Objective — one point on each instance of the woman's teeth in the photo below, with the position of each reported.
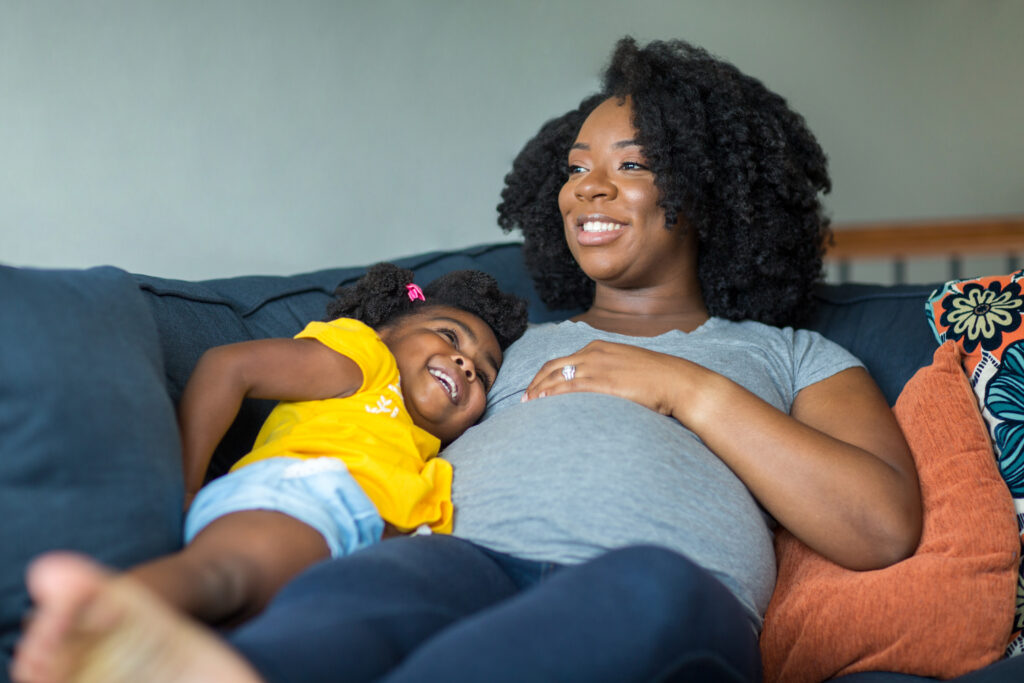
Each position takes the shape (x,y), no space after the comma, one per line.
(447,382)
(600,226)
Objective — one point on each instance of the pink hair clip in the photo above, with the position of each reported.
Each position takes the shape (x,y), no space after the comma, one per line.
(415,293)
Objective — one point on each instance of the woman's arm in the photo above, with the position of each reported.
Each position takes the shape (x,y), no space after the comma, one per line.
(836,472)
(279,369)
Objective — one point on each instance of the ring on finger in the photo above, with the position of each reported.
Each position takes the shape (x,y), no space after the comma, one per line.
(568,372)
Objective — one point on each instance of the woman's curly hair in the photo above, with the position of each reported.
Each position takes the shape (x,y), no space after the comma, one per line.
(380,298)
(728,156)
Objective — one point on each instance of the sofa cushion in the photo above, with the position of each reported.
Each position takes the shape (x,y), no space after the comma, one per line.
(985,317)
(944,611)
(881,325)
(89,458)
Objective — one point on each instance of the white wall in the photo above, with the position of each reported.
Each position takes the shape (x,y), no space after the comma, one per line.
(213,138)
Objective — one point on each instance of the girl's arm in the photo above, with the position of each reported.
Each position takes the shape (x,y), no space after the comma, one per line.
(836,472)
(278,369)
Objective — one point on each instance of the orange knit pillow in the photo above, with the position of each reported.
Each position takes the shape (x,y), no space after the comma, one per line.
(944,611)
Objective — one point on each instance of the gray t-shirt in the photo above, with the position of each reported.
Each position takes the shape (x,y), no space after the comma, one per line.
(565,478)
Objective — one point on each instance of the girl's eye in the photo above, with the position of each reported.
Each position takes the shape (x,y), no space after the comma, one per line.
(450,335)
(486,379)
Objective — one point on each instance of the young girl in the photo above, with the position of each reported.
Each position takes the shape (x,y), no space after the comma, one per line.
(367,399)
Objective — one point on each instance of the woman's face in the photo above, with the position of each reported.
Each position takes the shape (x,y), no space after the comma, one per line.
(609,204)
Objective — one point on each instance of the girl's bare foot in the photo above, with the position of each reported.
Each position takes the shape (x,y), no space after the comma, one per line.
(89,625)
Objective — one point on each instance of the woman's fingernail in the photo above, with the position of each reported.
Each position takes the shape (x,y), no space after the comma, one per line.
(524,398)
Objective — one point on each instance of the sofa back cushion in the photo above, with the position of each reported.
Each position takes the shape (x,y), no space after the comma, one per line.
(880,324)
(89,458)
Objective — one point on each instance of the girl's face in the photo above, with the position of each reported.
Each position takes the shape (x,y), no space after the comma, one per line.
(447,359)
(609,204)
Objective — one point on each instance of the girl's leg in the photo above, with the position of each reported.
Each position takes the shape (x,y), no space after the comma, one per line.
(353,618)
(90,621)
(91,626)
(255,528)
(234,566)
(637,614)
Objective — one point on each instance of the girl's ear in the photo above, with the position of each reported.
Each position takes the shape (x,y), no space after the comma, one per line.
(386,332)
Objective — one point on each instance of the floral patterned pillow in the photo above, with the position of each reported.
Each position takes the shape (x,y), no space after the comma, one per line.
(985,316)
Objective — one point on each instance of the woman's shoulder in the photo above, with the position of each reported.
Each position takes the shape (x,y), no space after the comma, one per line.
(755,328)
(538,332)
(746,330)
(791,341)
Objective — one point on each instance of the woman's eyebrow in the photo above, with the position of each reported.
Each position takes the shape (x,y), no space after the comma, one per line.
(618,145)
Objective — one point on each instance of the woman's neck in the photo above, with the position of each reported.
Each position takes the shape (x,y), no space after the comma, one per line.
(643,313)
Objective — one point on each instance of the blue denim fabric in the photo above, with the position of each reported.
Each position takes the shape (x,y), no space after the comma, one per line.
(523,573)
(1003,671)
(319,492)
(438,608)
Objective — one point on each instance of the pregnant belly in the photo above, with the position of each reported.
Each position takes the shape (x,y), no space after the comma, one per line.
(594,471)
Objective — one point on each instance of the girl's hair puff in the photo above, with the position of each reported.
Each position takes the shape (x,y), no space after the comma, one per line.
(381,298)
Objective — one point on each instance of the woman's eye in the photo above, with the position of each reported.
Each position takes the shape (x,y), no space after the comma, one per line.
(573,169)
(633,166)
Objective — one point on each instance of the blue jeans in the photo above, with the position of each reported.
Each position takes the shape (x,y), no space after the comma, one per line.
(1002,671)
(438,608)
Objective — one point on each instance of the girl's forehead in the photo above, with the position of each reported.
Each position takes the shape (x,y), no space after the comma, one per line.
(450,315)
(444,312)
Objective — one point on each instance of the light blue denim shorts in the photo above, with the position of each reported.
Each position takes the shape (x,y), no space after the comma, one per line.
(319,492)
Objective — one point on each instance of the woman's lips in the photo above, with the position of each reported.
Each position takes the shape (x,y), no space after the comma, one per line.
(597,231)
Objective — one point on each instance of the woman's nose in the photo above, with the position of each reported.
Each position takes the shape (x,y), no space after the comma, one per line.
(595,184)
(467,367)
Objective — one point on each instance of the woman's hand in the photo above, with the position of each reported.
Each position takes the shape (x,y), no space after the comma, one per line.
(621,370)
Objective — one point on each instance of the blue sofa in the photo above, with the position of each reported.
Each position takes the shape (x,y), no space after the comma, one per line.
(93,361)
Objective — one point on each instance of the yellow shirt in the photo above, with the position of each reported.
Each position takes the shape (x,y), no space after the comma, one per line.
(370,431)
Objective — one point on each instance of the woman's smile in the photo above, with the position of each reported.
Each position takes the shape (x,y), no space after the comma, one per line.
(596,230)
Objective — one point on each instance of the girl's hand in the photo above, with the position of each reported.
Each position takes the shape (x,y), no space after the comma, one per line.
(630,372)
